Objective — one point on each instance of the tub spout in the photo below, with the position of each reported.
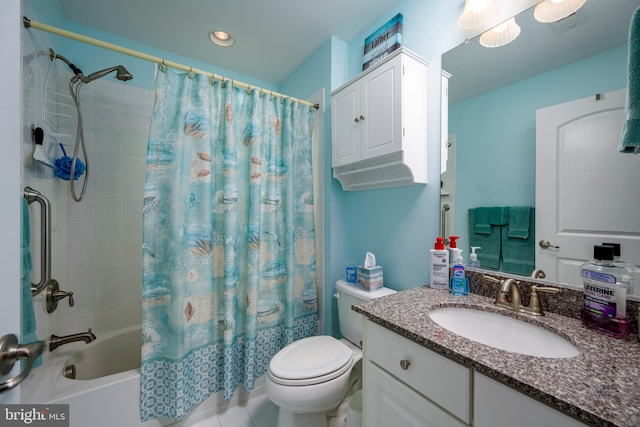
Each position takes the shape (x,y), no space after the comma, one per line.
(56,341)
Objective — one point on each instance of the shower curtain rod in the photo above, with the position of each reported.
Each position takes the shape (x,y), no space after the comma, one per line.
(79,37)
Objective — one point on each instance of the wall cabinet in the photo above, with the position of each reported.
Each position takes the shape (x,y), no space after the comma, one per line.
(406,384)
(379,125)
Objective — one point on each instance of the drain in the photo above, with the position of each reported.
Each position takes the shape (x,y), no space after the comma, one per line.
(70,372)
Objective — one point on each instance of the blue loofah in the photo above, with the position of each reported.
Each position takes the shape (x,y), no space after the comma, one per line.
(63,167)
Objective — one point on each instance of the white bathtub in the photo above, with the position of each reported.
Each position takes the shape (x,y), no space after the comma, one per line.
(106,391)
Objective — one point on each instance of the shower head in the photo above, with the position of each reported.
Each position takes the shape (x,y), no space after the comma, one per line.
(121,74)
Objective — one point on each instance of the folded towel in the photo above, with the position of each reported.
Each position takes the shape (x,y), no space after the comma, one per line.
(630,137)
(519,219)
(499,215)
(518,254)
(28,318)
(481,220)
(489,257)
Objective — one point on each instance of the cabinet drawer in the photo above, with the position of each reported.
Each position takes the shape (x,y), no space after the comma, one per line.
(443,381)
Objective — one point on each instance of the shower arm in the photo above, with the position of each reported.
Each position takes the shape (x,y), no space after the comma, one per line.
(53,55)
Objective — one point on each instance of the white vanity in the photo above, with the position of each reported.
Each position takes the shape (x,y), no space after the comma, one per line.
(417,373)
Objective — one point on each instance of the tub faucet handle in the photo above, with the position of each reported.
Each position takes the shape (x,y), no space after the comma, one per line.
(54,294)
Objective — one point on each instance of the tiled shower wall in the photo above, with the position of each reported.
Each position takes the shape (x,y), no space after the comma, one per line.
(96,244)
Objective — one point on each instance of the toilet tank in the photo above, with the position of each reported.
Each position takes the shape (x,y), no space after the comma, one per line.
(351,321)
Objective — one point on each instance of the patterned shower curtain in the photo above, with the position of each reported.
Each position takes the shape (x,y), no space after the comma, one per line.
(228,240)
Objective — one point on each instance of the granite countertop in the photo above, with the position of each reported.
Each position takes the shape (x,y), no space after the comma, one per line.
(601,386)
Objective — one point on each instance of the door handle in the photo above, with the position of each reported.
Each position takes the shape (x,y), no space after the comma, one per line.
(545,244)
(10,353)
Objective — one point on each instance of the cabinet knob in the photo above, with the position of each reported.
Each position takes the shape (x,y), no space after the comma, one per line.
(356,120)
(361,117)
(404,364)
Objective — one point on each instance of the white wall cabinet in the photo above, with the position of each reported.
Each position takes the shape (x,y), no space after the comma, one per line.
(405,384)
(379,125)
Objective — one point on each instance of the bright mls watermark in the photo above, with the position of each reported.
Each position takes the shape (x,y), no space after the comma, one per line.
(34,415)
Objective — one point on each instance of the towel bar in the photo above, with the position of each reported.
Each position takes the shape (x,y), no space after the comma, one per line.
(31,196)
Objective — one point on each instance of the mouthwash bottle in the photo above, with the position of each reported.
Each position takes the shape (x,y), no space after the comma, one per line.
(605,294)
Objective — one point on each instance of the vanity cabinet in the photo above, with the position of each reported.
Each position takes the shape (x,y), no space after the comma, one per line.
(379,125)
(406,382)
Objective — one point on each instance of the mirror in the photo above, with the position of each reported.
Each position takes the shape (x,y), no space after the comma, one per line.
(492,158)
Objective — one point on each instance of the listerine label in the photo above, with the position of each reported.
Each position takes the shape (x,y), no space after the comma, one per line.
(600,293)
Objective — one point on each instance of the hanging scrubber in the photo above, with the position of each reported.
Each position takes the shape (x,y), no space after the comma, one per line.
(63,167)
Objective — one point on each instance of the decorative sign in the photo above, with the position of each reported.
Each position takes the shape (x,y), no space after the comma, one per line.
(382,42)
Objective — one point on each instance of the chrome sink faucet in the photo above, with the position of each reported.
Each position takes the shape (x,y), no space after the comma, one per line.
(56,341)
(509,296)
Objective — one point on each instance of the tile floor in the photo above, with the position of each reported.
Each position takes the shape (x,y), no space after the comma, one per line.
(256,412)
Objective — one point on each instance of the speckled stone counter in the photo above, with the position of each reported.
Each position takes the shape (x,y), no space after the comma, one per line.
(601,386)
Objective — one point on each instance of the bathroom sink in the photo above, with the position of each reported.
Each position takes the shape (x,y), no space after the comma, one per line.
(504,333)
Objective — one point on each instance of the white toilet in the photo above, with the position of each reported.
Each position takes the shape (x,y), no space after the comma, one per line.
(310,377)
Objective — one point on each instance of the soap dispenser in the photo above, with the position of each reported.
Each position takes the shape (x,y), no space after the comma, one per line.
(473,257)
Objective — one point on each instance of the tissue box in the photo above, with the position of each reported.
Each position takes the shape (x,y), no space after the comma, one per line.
(370,279)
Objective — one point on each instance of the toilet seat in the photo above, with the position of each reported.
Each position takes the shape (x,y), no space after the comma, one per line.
(310,361)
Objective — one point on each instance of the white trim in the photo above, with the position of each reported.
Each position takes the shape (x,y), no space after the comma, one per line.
(318,199)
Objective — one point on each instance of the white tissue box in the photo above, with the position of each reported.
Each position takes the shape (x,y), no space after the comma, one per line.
(370,279)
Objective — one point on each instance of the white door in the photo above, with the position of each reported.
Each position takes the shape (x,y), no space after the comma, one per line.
(388,402)
(380,116)
(586,191)
(346,130)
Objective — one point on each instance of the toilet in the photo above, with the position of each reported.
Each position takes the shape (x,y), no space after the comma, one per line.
(310,377)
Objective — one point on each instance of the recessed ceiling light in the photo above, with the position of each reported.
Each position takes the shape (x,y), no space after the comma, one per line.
(221,38)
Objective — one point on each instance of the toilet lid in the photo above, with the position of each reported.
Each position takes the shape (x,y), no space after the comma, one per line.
(310,360)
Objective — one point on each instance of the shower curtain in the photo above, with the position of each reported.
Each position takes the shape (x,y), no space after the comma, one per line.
(228,239)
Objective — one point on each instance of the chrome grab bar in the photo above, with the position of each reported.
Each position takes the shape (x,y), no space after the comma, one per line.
(31,196)
(10,353)
(443,223)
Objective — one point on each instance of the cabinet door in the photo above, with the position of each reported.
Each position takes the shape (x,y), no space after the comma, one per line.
(388,402)
(381,113)
(346,126)
(498,405)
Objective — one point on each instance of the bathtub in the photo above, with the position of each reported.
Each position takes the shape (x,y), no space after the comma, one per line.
(106,388)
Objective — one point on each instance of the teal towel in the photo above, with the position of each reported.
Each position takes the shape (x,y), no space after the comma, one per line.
(499,215)
(489,257)
(481,220)
(630,137)
(28,317)
(519,219)
(518,254)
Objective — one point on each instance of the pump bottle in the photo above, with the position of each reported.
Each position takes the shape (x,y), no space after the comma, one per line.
(439,265)
(473,257)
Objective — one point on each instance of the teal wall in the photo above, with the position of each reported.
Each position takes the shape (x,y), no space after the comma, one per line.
(496,132)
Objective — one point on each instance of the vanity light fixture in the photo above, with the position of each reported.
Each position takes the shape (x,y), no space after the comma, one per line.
(501,34)
(555,10)
(221,38)
(478,13)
